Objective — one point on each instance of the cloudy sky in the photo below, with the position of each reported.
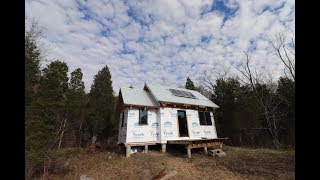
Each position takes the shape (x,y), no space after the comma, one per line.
(160,40)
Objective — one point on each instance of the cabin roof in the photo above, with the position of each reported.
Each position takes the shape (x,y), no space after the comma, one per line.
(162,93)
(137,97)
(153,94)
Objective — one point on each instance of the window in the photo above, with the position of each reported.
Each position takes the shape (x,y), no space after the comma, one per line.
(205,118)
(122,119)
(202,118)
(208,118)
(143,116)
(183,127)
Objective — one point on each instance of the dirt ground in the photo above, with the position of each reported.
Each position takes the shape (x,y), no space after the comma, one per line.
(240,163)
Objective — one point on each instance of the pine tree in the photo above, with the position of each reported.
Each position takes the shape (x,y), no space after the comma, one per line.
(48,112)
(286,94)
(76,104)
(227,94)
(33,57)
(54,84)
(101,106)
(189,84)
(32,69)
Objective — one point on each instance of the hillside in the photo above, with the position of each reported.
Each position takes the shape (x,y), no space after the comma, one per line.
(240,163)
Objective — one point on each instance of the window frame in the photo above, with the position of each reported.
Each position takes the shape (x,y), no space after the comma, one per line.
(209,115)
(206,114)
(143,124)
(178,122)
(202,120)
(122,119)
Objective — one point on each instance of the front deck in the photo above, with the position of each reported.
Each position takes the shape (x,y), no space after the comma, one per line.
(199,143)
(189,144)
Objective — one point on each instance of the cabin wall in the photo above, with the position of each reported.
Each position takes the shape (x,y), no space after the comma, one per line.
(197,131)
(170,130)
(142,133)
(162,126)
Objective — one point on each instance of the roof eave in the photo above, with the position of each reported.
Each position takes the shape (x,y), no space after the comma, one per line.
(167,102)
(140,105)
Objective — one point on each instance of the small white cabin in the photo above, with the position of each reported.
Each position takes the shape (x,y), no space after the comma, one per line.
(159,114)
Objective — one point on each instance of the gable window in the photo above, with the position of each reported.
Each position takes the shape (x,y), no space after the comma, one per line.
(122,119)
(204,118)
(143,116)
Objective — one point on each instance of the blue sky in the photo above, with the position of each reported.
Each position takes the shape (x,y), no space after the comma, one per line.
(161,41)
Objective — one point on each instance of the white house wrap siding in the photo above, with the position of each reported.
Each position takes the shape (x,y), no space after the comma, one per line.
(141,133)
(162,121)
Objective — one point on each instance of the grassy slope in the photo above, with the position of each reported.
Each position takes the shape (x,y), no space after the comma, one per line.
(240,163)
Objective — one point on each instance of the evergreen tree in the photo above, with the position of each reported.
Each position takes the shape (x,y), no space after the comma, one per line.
(249,116)
(33,56)
(226,96)
(101,106)
(48,112)
(286,94)
(32,65)
(54,84)
(76,104)
(239,116)
(189,84)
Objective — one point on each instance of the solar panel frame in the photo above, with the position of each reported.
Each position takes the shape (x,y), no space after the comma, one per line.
(181,93)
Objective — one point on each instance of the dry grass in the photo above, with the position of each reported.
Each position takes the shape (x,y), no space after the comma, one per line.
(240,163)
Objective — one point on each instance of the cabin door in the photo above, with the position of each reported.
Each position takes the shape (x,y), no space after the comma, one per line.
(183,127)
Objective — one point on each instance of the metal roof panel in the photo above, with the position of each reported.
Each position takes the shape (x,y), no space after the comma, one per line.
(138,97)
(162,93)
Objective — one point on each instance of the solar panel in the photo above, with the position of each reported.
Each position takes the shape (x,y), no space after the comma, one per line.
(180,93)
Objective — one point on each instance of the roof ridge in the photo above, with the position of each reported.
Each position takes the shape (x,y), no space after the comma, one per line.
(172,87)
(132,88)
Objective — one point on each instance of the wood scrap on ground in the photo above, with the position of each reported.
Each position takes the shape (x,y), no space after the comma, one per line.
(164,175)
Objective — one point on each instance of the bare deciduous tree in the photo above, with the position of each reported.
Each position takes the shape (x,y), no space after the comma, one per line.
(34,33)
(208,79)
(164,81)
(202,90)
(63,130)
(285,51)
(265,96)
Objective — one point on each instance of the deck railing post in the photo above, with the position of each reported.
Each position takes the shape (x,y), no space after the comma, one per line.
(205,150)
(163,147)
(128,150)
(189,152)
(146,148)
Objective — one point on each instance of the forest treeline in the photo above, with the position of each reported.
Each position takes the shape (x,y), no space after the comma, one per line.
(242,118)
(59,113)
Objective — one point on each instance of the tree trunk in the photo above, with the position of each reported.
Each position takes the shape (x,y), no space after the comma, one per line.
(80,134)
(80,129)
(62,132)
(76,133)
(94,139)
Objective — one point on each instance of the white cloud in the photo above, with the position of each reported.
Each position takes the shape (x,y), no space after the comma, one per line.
(156,40)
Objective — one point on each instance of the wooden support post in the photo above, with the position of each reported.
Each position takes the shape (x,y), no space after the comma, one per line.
(128,151)
(205,150)
(163,147)
(146,148)
(189,152)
